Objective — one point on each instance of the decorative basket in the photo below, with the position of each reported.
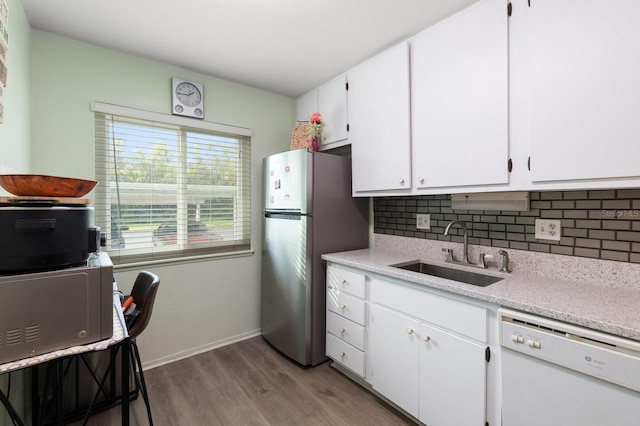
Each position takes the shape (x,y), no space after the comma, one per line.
(300,137)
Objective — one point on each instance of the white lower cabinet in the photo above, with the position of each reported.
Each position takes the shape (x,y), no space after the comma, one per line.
(346,318)
(433,375)
(428,353)
(394,355)
(453,379)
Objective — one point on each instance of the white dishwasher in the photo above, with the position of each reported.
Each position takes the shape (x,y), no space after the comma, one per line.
(557,374)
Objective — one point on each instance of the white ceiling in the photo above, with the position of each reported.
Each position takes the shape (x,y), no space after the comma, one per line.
(282,46)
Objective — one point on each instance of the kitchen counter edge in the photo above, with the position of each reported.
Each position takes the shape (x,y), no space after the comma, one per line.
(610,310)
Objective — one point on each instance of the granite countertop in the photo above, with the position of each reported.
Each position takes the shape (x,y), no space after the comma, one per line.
(610,310)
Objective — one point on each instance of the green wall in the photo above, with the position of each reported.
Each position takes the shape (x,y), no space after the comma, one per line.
(68,75)
(49,129)
(15,148)
(200,304)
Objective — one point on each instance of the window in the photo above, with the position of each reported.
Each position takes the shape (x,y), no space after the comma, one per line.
(170,186)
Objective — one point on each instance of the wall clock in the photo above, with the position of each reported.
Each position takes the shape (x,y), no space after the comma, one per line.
(187,98)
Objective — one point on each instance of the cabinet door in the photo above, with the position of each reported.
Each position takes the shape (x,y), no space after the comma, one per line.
(459,86)
(332,104)
(453,375)
(379,122)
(583,64)
(306,105)
(394,354)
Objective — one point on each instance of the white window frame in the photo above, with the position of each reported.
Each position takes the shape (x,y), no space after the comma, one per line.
(183,125)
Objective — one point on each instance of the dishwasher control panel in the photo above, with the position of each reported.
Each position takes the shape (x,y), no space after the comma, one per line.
(598,354)
(517,337)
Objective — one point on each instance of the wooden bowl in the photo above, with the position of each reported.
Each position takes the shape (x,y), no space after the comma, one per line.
(46,186)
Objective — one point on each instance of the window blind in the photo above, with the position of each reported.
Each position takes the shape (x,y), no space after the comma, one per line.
(170,190)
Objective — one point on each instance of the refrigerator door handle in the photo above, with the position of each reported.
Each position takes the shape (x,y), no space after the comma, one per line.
(286,215)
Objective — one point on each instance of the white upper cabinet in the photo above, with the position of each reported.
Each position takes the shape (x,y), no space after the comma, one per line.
(379,129)
(582,106)
(332,104)
(306,105)
(459,104)
(330,100)
(552,92)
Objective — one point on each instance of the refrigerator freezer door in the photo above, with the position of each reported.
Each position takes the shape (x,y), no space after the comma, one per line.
(286,286)
(287,180)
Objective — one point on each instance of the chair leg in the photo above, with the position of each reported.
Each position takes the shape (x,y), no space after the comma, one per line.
(139,376)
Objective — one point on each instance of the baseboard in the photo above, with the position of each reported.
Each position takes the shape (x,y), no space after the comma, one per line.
(200,349)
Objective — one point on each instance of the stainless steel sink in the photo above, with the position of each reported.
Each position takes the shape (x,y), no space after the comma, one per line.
(480,280)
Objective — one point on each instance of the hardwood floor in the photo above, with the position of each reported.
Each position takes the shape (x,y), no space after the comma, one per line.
(249,383)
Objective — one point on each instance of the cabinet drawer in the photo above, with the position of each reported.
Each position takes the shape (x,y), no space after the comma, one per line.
(346,330)
(346,305)
(345,354)
(463,318)
(345,280)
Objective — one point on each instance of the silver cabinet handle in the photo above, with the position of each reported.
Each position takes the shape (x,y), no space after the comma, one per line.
(409,330)
(421,180)
(401,181)
(343,306)
(342,355)
(342,330)
(426,338)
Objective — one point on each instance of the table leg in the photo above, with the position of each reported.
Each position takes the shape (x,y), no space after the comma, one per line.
(35,394)
(12,412)
(126,362)
(59,393)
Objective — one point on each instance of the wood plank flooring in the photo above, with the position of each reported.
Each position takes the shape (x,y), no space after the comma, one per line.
(249,383)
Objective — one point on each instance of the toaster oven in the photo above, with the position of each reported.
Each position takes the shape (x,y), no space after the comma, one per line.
(46,311)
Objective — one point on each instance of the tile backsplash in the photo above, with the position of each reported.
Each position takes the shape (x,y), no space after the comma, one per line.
(600,224)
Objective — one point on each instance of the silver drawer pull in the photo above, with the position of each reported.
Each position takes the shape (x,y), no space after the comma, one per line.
(342,355)
(409,330)
(344,282)
(343,306)
(343,330)
(426,338)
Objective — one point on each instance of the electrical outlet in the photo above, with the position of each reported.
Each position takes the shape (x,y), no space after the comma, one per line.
(548,229)
(423,221)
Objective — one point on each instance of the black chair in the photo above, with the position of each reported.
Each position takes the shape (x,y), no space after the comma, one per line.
(144,293)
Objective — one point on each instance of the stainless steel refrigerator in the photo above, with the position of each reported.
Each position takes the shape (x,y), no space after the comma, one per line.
(308,211)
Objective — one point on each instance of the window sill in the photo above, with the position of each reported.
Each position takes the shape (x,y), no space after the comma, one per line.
(182,260)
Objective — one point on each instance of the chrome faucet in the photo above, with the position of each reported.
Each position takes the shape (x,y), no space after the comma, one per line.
(465,236)
(465,253)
